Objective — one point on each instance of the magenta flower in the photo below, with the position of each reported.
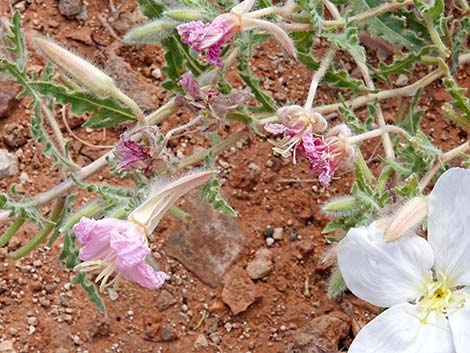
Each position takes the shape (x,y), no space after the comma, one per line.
(208,99)
(210,37)
(116,246)
(137,156)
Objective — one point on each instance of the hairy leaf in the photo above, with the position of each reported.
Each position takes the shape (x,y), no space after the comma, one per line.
(210,192)
(151,8)
(91,290)
(349,41)
(459,109)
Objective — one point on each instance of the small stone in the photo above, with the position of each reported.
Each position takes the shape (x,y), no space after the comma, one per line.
(37,263)
(215,337)
(268,232)
(269,241)
(168,333)
(402,80)
(45,302)
(113,295)
(33,321)
(293,234)
(7,346)
(261,265)
(76,340)
(61,350)
(239,291)
(31,330)
(8,164)
(157,73)
(15,135)
(254,167)
(201,342)
(70,8)
(277,234)
(165,300)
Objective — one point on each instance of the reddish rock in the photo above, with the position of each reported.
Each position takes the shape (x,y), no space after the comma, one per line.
(239,291)
(8,93)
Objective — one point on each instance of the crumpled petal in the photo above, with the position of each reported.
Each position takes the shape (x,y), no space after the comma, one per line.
(399,330)
(189,84)
(459,323)
(145,275)
(449,225)
(130,248)
(274,128)
(384,274)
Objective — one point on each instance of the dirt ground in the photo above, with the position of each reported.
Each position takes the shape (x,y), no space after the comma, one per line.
(286,310)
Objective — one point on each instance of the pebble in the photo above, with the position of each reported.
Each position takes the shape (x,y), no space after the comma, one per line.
(261,265)
(165,300)
(201,342)
(239,291)
(293,234)
(113,295)
(7,346)
(402,80)
(215,337)
(70,8)
(33,321)
(45,302)
(8,164)
(277,234)
(268,232)
(269,241)
(15,135)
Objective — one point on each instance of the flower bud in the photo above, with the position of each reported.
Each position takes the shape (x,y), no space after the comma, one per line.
(408,217)
(184,14)
(150,32)
(79,69)
(341,205)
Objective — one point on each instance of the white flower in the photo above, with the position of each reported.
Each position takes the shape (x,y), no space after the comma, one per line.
(426,284)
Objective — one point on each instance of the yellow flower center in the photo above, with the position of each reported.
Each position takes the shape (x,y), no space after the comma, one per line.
(439,296)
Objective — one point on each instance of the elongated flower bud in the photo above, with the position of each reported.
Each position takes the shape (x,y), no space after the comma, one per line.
(163,196)
(341,205)
(79,69)
(150,32)
(184,14)
(408,217)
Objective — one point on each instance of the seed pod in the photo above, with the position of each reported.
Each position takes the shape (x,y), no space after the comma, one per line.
(341,206)
(184,14)
(408,217)
(79,69)
(151,32)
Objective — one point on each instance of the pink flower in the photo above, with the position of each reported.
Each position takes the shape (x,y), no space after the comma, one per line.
(116,246)
(210,37)
(209,99)
(136,156)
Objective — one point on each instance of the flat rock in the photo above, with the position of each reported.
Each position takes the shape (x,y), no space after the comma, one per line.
(7,347)
(201,343)
(165,300)
(8,93)
(70,8)
(8,164)
(208,245)
(160,333)
(261,265)
(15,135)
(321,335)
(239,291)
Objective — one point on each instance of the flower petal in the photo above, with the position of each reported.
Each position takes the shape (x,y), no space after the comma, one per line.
(145,275)
(384,274)
(129,246)
(459,322)
(400,330)
(449,225)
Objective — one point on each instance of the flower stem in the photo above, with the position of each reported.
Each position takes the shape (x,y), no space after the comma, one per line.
(375,133)
(180,214)
(436,38)
(317,77)
(43,233)
(11,231)
(446,157)
(131,104)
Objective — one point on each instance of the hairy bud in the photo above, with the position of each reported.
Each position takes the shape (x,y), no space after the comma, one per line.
(150,32)
(184,14)
(408,217)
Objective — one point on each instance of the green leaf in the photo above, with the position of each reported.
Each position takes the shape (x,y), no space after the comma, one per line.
(151,8)
(434,9)
(412,116)
(459,109)
(14,36)
(267,102)
(91,290)
(458,41)
(210,192)
(389,27)
(336,284)
(314,10)
(349,41)
(409,188)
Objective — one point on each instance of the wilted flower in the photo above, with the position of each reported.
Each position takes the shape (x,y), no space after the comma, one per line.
(425,283)
(137,156)
(208,99)
(210,37)
(116,246)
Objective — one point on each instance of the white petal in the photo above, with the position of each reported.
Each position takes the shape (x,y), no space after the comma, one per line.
(243,7)
(449,225)
(400,330)
(384,274)
(459,324)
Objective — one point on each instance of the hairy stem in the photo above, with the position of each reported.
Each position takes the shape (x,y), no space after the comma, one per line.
(43,233)
(446,157)
(436,38)
(375,133)
(11,231)
(131,104)
(317,77)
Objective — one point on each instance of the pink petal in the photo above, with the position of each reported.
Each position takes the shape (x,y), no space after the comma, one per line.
(275,129)
(129,247)
(189,84)
(143,274)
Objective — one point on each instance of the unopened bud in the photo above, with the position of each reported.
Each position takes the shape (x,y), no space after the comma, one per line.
(151,32)
(184,14)
(408,217)
(79,69)
(341,205)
